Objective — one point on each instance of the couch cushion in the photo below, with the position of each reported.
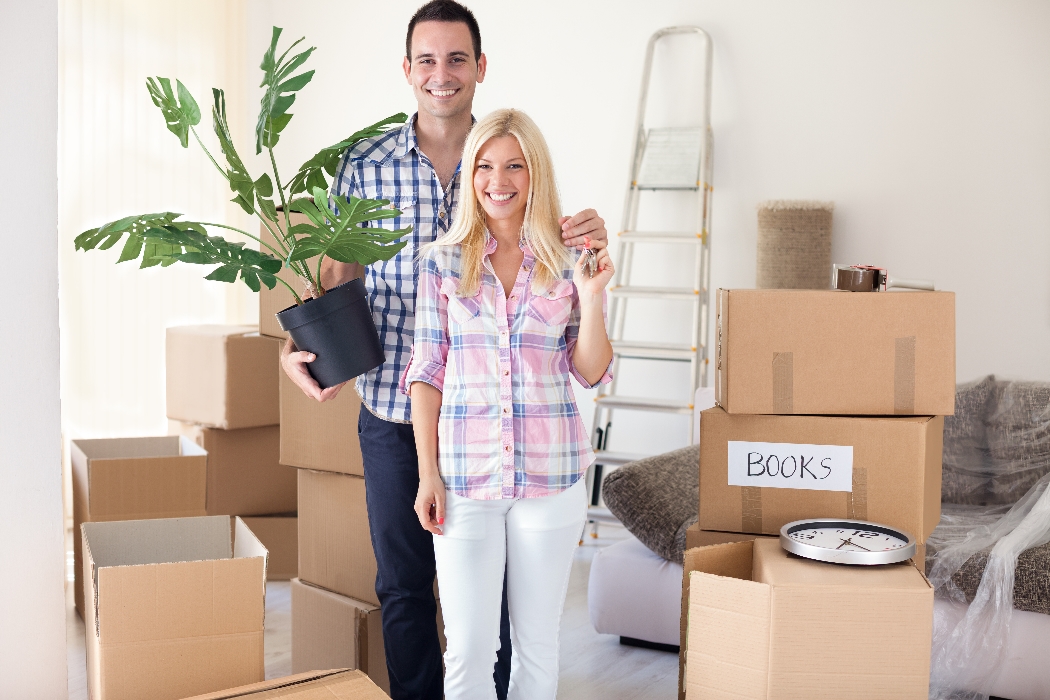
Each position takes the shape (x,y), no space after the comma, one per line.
(1031,578)
(967,461)
(1018,439)
(657,499)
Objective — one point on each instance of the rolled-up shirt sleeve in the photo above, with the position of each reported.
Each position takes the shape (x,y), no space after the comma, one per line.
(572,332)
(430,336)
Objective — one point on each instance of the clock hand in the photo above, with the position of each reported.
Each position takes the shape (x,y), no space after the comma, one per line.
(851,542)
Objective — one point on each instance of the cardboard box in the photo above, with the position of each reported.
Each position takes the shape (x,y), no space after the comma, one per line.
(695,537)
(835,353)
(885,469)
(133,479)
(320,436)
(764,624)
(335,546)
(222,376)
(280,535)
(316,685)
(245,476)
(271,301)
(175,607)
(333,631)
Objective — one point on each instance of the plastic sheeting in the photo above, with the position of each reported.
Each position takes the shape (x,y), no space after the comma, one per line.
(967,656)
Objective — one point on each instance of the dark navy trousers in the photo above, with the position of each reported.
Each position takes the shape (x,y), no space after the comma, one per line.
(405,558)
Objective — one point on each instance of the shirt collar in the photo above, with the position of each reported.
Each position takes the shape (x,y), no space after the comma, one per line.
(490,245)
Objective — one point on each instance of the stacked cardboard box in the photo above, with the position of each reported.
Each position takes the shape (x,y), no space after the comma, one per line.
(317,685)
(830,404)
(222,393)
(174,607)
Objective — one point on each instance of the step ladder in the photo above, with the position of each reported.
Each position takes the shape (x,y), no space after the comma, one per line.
(670,158)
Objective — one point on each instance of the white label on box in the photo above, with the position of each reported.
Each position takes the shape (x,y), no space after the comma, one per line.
(786,465)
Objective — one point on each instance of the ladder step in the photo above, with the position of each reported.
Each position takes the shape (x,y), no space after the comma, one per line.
(616,459)
(661,237)
(654,292)
(654,351)
(644,404)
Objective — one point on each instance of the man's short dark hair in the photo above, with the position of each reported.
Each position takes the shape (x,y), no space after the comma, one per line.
(445,11)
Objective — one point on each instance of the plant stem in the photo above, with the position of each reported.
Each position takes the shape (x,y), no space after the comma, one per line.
(320,289)
(208,153)
(289,238)
(273,250)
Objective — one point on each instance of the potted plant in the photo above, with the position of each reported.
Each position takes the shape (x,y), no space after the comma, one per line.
(335,324)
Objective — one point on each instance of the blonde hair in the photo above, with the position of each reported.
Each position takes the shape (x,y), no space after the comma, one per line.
(540,229)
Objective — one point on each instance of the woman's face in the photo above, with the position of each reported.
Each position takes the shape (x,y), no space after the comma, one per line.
(501,181)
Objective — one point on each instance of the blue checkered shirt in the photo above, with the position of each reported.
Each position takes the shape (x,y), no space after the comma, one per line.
(392,167)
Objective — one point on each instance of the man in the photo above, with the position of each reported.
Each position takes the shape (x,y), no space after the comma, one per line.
(417,168)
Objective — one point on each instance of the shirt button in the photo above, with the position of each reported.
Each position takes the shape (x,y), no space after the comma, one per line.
(507,448)
(506,410)
(506,372)
(441,215)
(513,296)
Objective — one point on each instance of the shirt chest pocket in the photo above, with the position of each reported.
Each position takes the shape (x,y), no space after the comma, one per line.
(461,310)
(554,307)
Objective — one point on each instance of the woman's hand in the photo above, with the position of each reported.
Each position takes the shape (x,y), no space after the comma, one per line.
(430,502)
(592,287)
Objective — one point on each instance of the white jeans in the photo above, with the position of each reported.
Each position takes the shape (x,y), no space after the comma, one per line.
(533,540)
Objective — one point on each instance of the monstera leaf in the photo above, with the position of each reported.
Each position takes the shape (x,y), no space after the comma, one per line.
(180,115)
(338,234)
(281,87)
(159,239)
(327,159)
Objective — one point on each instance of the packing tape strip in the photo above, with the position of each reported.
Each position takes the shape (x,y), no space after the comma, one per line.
(751,509)
(783,382)
(858,497)
(904,375)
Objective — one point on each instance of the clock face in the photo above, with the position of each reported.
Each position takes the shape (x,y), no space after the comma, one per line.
(846,541)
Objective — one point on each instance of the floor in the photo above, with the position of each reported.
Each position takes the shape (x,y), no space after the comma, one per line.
(593,665)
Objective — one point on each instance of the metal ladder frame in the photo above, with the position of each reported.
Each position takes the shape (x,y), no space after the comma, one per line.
(621,290)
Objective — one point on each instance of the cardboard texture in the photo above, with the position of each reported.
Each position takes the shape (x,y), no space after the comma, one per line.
(335,547)
(320,436)
(280,535)
(316,685)
(133,479)
(279,298)
(333,631)
(222,376)
(695,537)
(175,607)
(763,624)
(831,352)
(896,472)
(245,476)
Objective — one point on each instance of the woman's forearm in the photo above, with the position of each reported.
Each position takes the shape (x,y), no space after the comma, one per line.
(426,407)
(593,351)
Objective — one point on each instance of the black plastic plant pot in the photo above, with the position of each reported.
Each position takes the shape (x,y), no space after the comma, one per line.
(338,329)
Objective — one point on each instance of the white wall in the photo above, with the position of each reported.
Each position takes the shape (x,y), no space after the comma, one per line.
(926,124)
(32,634)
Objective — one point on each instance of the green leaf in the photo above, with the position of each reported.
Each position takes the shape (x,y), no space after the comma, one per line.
(264,186)
(241,182)
(179,115)
(267,207)
(344,236)
(280,88)
(160,239)
(311,173)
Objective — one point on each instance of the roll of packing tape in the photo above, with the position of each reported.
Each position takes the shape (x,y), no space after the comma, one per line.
(855,279)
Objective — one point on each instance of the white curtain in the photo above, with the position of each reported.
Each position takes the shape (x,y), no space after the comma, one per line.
(116,158)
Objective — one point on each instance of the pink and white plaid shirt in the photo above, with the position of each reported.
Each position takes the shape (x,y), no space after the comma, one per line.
(509,426)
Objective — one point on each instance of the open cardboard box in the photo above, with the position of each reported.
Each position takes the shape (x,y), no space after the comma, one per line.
(280,535)
(175,607)
(133,479)
(759,623)
(222,376)
(783,351)
(315,685)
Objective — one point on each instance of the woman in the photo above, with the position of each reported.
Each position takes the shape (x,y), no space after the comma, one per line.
(503,317)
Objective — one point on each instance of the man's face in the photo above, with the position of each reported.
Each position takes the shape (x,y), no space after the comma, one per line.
(442,70)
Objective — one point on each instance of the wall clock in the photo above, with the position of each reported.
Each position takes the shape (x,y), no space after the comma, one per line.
(843,541)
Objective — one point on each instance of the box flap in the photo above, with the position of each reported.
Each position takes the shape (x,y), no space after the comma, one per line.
(732,559)
(247,545)
(728,633)
(166,540)
(315,685)
(777,567)
(131,448)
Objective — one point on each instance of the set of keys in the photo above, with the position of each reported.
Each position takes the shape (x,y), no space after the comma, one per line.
(591,264)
